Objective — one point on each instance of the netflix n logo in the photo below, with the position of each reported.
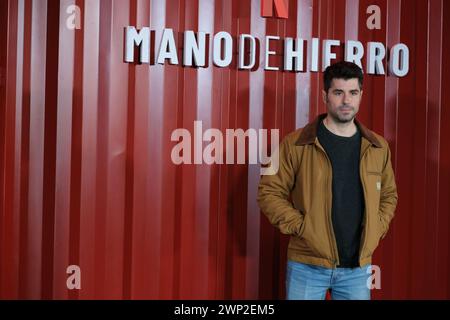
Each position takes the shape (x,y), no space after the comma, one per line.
(274,9)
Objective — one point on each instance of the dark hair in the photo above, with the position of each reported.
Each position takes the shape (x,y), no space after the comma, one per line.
(342,70)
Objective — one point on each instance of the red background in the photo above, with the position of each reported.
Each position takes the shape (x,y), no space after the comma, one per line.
(85,171)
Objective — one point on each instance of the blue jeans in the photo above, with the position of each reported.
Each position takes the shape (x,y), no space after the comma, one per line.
(308,282)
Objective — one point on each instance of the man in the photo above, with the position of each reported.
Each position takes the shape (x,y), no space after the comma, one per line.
(334,193)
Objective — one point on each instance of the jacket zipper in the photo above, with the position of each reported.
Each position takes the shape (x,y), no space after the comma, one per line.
(366,219)
(330,221)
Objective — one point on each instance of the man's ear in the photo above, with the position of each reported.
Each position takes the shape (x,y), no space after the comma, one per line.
(324,96)
(362,93)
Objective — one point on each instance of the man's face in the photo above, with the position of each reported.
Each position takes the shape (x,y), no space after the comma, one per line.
(343,99)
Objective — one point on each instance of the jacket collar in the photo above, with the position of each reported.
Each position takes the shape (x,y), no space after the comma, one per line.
(309,132)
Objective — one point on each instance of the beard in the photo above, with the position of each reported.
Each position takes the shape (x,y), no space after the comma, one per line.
(343,117)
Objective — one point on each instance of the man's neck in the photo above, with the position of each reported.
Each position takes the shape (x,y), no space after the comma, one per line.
(347,129)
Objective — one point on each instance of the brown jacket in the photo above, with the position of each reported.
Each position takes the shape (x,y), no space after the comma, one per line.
(304,175)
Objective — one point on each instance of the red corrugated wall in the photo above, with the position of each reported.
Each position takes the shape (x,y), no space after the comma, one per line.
(86,176)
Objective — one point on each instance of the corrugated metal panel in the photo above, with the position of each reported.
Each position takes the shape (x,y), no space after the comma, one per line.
(86,174)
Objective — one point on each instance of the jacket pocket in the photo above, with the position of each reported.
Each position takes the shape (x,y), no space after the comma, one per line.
(374,233)
(303,227)
(380,226)
(373,188)
(309,243)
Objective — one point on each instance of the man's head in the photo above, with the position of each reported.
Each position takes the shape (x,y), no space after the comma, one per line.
(342,92)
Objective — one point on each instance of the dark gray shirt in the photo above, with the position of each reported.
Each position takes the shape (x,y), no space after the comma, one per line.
(348,196)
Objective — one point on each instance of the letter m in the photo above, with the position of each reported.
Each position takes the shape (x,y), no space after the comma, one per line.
(141,39)
(281,8)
